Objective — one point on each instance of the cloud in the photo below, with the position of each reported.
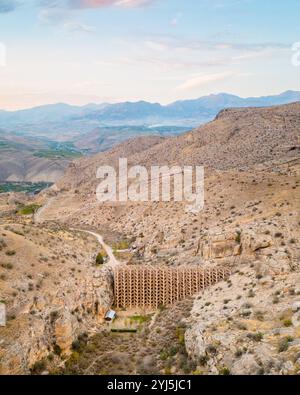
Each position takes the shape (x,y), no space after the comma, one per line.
(64,17)
(173,43)
(78,27)
(8,6)
(107,3)
(156,46)
(134,3)
(54,16)
(203,79)
(213,52)
(62,12)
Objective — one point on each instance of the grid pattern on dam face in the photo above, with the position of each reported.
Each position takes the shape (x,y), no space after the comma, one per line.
(151,287)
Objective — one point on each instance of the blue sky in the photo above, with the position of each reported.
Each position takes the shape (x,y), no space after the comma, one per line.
(81,51)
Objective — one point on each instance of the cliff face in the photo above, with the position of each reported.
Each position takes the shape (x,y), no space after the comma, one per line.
(53,293)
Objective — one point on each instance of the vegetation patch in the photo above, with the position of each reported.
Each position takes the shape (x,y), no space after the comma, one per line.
(99,259)
(27,187)
(121,245)
(57,154)
(140,319)
(28,210)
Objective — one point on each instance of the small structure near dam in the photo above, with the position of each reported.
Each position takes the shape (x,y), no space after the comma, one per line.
(150,287)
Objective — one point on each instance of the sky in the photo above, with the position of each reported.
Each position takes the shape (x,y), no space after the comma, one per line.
(83,51)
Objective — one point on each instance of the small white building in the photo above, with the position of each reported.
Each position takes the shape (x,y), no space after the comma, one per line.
(110,315)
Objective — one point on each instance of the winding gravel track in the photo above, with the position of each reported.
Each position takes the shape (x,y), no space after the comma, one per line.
(112,259)
(113,262)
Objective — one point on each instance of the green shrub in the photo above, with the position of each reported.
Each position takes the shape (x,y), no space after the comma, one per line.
(28,210)
(173,351)
(99,259)
(76,345)
(211,349)
(238,237)
(168,370)
(74,358)
(38,367)
(57,350)
(180,335)
(121,245)
(203,359)
(287,323)
(53,316)
(284,344)
(164,355)
(257,337)
(224,371)
(239,352)
(8,266)
(141,319)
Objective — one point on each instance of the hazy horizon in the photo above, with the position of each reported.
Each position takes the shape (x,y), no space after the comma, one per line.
(143,100)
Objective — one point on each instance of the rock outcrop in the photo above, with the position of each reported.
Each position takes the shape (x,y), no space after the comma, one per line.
(72,297)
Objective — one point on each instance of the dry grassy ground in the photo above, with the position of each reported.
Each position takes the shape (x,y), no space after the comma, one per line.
(50,285)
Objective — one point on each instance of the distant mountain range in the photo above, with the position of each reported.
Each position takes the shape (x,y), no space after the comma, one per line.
(37,144)
(64,118)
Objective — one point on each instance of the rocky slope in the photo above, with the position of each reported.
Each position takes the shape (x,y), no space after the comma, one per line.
(20,167)
(237,139)
(250,223)
(250,325)
(31,159)
(52,290)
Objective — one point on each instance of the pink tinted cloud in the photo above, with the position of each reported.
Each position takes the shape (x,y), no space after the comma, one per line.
(106,3)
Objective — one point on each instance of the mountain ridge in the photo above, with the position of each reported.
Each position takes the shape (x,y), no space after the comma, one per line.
(191,111)
(236,139)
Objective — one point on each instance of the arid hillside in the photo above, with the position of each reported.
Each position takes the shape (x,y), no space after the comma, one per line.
(33,159)
(50,285)
(19,167)
(237,139)
(250,223)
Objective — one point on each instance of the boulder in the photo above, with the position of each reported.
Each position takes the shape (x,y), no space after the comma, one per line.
(195,342)
(246,365)
(253,242)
